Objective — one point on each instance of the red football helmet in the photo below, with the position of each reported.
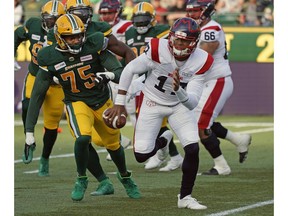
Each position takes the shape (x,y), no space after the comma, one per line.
(110,11)
(183,37)
(200,9)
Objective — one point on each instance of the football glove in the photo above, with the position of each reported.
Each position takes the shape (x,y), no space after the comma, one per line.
(16,66)
(29,147)
(103,78)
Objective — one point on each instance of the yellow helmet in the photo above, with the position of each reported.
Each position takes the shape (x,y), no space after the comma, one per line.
(143,17)
(68,25)
(50,13)
(80,8)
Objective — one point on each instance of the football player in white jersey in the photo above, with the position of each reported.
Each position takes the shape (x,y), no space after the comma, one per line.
(218,88)
(110,12)
(173,87)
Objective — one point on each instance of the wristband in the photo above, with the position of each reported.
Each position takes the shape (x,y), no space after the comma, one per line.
(120,99)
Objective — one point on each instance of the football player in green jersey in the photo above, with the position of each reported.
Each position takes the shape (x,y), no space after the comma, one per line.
(146,28)
(75,62)
(35,30)
(83,9)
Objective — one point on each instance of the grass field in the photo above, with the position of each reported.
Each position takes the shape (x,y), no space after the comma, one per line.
(248,191)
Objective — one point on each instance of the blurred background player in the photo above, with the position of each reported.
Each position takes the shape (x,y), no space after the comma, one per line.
(218,88)
(145,28)
(110,11)
(35,30)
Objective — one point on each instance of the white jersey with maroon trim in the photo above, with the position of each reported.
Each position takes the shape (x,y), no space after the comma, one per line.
(211,32)
(120,28)
(160,64)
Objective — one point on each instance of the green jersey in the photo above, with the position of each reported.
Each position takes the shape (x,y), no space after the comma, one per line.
(32,30)
(76,75)
(93,27)
(137,42)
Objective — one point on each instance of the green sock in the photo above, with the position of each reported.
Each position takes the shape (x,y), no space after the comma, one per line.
(94,165)
(81,151)
(118,157)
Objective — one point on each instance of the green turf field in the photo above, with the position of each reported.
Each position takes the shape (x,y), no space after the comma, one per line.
(248,191)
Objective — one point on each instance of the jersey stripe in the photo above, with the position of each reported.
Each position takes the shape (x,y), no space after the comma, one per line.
(124,27)
(207,65)
(217,28)
(211,103)
(154,49)
(163,34)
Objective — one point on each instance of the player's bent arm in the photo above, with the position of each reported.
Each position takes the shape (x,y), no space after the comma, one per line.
(138,66)
(121,49)
(190,98)
(19,36)
(209,47)
(111,63)
(41,85)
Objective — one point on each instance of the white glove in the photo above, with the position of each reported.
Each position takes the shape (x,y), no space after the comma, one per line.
(16,66)
(56,80)
(104,77)
(30,138)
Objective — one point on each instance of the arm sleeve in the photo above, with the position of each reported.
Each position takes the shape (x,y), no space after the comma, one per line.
(40,88)
(138,66)
(111,63)
(190,98)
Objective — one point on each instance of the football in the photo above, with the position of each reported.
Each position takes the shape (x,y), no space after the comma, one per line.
(114,123)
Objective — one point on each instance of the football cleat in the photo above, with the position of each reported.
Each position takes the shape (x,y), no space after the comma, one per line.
(43,167)
(105,188)
(218,171)
(190,203)
(129,185)
(79,188)
(173,164)
(153,162)
(28,153)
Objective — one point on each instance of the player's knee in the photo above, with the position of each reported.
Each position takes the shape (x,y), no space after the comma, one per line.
(83,140)
(140,158)
(191,149)
(211,142)
(219,130)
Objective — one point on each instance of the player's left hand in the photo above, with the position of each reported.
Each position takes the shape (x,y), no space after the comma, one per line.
(176,80)
(104,77)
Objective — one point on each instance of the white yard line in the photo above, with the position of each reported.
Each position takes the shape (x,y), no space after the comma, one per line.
(244,208)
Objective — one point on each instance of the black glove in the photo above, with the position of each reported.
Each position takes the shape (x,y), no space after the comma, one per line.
(103,78)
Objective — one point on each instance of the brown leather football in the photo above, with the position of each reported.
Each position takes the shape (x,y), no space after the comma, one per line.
(114,123)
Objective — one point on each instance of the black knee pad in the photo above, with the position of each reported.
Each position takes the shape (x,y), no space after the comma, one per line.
(140,158)
(219,130)
(211,142)
(191,149)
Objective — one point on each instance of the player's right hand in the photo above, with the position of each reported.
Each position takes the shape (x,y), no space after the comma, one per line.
(16,66)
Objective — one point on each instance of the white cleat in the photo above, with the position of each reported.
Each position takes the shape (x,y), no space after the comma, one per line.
(242,142)
(153,162)
(190,203)
(218,171)
(173,164)
(163,152)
